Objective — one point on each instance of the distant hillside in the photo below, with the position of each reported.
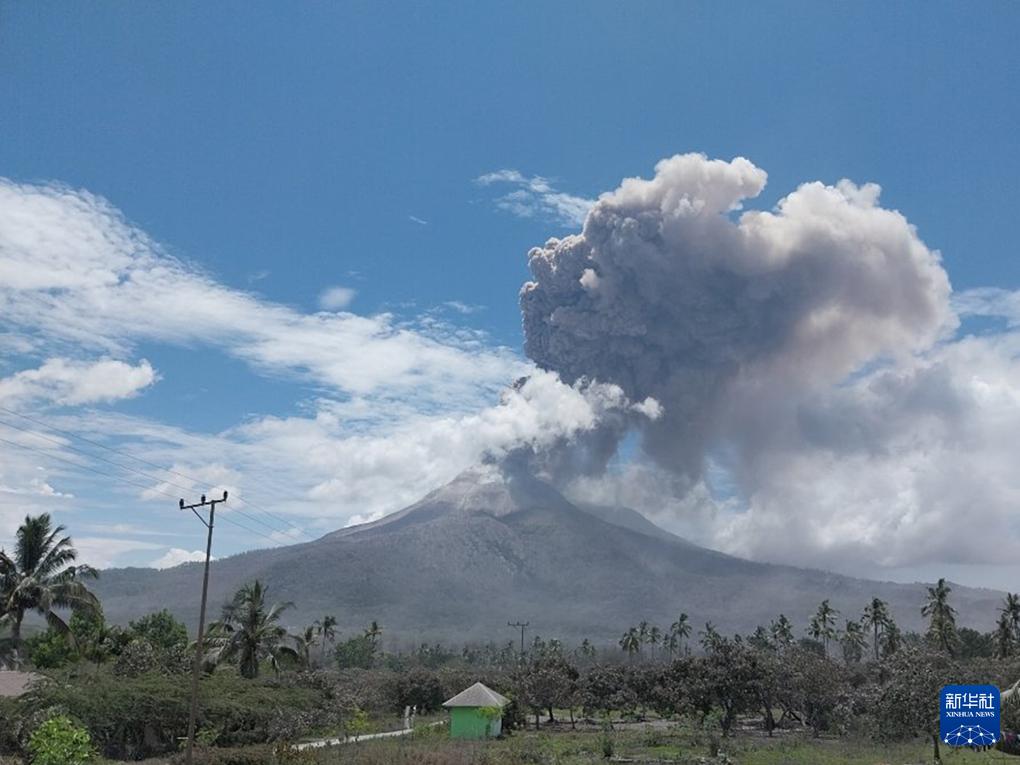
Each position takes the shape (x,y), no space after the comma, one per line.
(487,548)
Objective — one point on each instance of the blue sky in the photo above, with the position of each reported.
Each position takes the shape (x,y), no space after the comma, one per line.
(281,150)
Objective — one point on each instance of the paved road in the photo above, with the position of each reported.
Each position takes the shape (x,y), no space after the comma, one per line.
(355,739)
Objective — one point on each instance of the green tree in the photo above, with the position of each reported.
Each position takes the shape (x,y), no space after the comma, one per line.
(876,616)
(161,630)
(941,617)
(60,741)
(249,631)
(41,576)
(782,632)
(823,624)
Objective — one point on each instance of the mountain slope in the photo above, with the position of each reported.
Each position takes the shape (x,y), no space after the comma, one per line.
(488,548)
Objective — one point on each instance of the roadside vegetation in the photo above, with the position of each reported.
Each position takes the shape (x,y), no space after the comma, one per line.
(840,689)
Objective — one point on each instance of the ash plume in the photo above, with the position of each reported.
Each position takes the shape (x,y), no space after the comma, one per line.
(729,318)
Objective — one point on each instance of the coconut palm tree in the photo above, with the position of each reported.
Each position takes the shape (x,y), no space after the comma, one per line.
(1011,610)
(876,616)
(40,576)
(710,638)
(631,642)
(681,630)
(782,631)
(374,632)
(1004,640)
(305,642)
(853,642)
(823,624)
(942,617)
(250,631)
(654,638)
(325,628)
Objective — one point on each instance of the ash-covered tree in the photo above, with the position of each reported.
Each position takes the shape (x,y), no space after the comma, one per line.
(781,631)
(604,689)
(907,705)
(852,641)
(823,624)
(876,617)
(544,683)
(941,618)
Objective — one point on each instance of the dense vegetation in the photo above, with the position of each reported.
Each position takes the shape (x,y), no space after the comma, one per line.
(123,692)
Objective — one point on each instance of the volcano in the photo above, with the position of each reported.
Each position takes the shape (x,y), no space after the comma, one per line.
(492,546)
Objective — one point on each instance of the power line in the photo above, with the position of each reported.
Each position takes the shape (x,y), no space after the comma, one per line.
(158,479)
(283,490)
(193,479)
(122,479)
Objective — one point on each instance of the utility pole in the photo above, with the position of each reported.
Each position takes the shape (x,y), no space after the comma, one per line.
(522,625)
(197,669)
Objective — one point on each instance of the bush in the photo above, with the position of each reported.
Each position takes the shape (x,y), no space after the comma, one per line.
(417,688)
(60,741)
(145,716)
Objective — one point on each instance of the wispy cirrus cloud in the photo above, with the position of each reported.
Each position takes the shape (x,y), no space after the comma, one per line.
(535,197)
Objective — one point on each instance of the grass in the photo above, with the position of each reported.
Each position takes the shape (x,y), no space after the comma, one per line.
(642,747)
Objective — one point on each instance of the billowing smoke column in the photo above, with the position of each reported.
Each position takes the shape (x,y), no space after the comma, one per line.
(670,293)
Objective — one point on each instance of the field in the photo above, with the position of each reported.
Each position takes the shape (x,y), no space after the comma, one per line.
(646,746)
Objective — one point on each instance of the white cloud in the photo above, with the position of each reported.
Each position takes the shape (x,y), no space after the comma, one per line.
(75,275)
(68,383)
(175,556)
(535,197)
(336,298)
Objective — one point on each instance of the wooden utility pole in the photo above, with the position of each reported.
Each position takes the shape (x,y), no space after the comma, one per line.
(522,625)
(197,669)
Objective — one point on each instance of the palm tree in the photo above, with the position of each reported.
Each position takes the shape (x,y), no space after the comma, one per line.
(681,630)
(654,638)
(1011,610)
(325,628)
(374,632)
(891,638)
(250,632)
(587,650)
(853,641)
(41,576)
(1004,640)
(782,631)
(631,642)
(876,616)
(710,638)
(942,616)
(823,624)
(305,642)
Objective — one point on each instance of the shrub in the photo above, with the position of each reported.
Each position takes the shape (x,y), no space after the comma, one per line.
(60,741)
(417,688)
(144,716)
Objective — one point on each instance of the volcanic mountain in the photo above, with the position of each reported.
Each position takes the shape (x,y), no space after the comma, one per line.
(491,547)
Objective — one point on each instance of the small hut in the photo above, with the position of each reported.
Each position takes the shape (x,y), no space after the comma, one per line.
(476,713)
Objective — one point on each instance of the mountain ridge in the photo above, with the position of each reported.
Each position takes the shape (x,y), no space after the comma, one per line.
(491,546)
